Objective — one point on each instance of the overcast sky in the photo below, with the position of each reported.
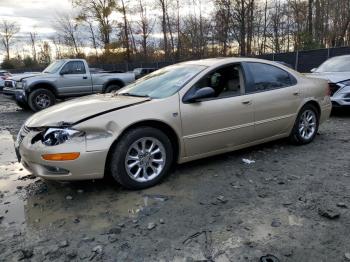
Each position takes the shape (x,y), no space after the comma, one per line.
(33,15)
(39,16)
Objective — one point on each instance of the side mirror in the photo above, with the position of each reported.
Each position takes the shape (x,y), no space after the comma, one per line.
(313,70)
(205,92)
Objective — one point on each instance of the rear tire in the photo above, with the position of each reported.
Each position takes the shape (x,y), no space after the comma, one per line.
(40,99)
(141,158)
(305,126)
(112,88)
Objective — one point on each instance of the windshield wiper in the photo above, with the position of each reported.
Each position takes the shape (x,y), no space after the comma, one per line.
(130,94)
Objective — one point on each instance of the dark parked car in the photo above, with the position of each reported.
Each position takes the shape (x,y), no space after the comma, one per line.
(3,76)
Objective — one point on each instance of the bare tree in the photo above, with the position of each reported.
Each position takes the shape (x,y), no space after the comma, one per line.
(88,23)
(164,10)
(33,42)
(8,30)
(125,33)
(67,29)
(145,25)
(223,24)
(45,53)
(100,11)
(58,46)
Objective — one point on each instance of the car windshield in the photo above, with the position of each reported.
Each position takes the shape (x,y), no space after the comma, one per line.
(336,64)
(163,82)
(53,67)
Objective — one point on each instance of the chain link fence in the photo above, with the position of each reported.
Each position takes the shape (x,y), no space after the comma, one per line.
(302,61)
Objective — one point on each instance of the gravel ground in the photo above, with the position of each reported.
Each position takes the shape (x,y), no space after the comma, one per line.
(291,203)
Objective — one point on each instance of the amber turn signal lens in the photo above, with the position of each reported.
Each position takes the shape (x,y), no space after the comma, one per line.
(61,156)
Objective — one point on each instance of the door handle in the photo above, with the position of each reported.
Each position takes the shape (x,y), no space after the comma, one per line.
(297,93)
(84,77)
(247,102)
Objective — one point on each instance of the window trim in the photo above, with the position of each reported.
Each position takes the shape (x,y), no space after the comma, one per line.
(189,91)
(83,73)
(251,78)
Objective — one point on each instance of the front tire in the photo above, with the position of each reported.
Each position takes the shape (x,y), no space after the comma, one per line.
(141,158)
(40,99)
(305,126)
(22,105)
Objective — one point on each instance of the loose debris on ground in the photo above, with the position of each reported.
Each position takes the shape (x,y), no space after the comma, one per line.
(290,202)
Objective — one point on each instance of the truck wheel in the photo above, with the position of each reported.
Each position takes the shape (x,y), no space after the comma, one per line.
(40,99)
(112,88)
(141,158)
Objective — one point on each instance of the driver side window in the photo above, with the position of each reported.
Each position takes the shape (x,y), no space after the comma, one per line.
(226,81)
(74,67)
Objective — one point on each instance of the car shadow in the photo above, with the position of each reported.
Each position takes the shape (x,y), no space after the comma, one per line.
(341,112)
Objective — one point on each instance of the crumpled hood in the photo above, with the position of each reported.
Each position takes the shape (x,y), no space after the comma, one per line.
(333,77)
(79,109)
(20,77)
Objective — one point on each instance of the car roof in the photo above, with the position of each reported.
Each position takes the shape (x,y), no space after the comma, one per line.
(214,62)
(224,60)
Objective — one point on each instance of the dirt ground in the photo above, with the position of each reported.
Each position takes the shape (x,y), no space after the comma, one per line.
(293,203)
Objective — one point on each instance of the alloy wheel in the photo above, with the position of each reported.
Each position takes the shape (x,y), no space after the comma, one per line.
(42,101)
(307,124)
(145,159)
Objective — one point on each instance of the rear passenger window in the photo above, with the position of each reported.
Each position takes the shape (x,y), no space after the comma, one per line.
(267,77)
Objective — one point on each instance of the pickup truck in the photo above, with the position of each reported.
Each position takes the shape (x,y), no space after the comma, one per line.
(62,79)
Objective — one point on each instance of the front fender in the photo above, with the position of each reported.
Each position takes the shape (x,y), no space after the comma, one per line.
(41,84)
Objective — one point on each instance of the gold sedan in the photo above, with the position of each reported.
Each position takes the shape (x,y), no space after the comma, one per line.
(177,114)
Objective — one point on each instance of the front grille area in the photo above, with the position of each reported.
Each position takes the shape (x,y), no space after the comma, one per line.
(333,88)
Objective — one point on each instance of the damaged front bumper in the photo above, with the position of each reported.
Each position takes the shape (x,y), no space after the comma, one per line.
(89,165)
(18,95)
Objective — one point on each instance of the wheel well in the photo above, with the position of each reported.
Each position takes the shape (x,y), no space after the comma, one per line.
(44,86)
(166,129)
(114,82)
(316,105)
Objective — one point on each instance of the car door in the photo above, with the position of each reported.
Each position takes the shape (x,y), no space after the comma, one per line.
(276,96)
(219,123)
(74,79)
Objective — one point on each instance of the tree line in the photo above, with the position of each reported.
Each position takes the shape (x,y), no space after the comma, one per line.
(113,31)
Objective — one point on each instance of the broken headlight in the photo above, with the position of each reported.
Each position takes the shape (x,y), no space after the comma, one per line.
(57,136)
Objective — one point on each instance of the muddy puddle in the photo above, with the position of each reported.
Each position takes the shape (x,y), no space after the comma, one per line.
(33,204)
(12,181)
